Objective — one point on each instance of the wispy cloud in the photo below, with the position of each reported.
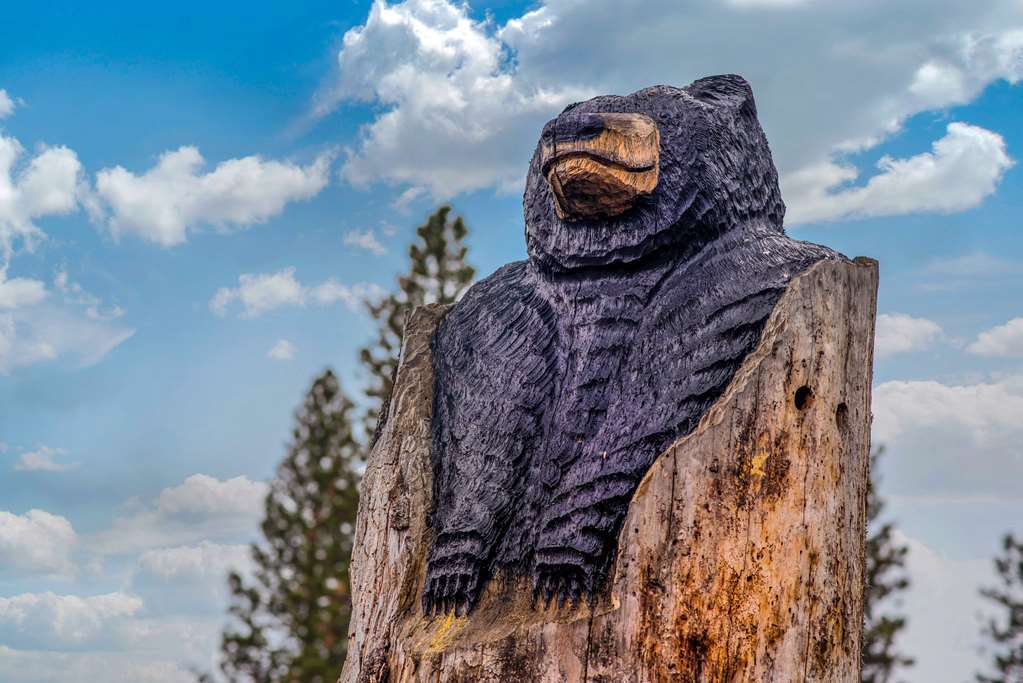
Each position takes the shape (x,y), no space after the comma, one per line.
(282,350)
(262,293)
(366,240)
(43,459)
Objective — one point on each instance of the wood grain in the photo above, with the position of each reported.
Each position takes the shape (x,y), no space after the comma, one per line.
(741,558)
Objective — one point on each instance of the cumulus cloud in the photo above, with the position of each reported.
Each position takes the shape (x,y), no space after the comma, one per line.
(282,350)
(963,168)
(464,100)
(901,333)
(365,239)
(457,115)
(188,579)
(48,184)
(20,292)
(42,459)
(50,621)
(952,440)
(1004,340)
(36,541)
(201,507)
(260,293)
(175,197)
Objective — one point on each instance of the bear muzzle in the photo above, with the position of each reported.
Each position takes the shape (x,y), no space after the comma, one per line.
(599,164)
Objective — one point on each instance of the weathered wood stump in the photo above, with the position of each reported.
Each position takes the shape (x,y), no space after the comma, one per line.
(741,557)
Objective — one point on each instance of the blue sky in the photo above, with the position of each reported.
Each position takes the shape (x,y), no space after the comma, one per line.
(184,187)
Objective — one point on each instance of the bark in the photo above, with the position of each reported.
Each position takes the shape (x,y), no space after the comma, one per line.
(741,557)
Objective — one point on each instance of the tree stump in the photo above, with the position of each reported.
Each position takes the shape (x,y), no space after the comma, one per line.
(741,557)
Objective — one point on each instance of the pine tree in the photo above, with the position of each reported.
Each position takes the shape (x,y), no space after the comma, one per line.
(438,273)
(1005,633)
(886,578)
(290,623)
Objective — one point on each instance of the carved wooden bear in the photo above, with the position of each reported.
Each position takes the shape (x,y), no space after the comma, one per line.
(656,253)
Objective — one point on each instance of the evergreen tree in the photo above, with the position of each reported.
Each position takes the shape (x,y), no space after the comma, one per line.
(290,624)
(438,273)
(886,578)
(1005,633)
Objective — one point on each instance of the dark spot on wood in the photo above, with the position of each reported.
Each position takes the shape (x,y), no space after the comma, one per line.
(842,418)
(803,398)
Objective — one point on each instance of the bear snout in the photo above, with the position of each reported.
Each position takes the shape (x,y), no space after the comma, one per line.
(599,164)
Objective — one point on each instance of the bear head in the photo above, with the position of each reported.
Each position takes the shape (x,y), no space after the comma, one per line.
(619,180)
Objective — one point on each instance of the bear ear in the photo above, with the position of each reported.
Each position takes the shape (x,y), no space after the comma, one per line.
(728,89)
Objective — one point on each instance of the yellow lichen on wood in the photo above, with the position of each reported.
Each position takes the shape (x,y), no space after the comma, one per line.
(741,556)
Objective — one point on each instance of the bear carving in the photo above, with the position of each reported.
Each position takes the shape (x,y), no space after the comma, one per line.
(656,253)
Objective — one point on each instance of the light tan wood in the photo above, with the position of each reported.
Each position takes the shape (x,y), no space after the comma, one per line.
(741,558)
(604,175)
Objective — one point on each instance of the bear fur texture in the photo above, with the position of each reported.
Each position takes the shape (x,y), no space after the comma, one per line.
(561,378)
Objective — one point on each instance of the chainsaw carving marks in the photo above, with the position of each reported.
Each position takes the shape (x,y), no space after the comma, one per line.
(656,254)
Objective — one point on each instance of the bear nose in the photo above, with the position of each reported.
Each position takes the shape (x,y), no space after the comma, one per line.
(599,164)
(570,127)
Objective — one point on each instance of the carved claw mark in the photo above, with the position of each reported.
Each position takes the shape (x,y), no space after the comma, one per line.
(451,587)
(560,583)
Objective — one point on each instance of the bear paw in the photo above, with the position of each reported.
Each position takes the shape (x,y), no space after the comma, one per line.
(562,583)
(451,589)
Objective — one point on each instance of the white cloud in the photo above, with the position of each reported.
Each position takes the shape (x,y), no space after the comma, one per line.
(964,167)
(942,605)
(457,116)
(37,541)
(1003,340)
(901,333)
(201,495)
(365,239)
(261,293)
(45,333)
(401,204)
(201,507)
(33,330)
(49,184)
(20,292)
(463,101)
(47,666)
(42,459)
(75,295)
(952,440)
(188,579)
(175,197)
(47,620)
(6,104)
(331,291)
(282,350)
(203,563)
